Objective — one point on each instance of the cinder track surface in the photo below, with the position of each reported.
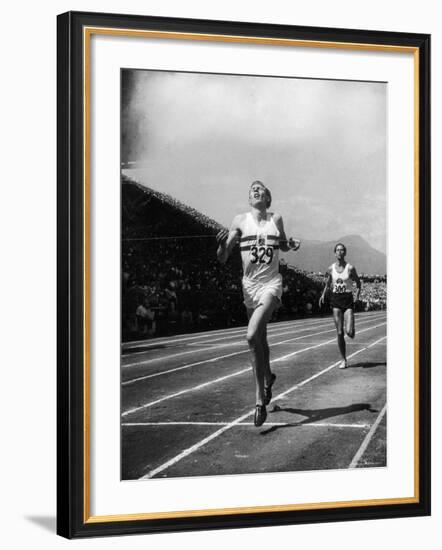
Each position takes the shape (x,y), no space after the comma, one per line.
(188,402)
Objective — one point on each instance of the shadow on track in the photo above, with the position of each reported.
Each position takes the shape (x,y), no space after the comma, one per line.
(315,415)
(367,365)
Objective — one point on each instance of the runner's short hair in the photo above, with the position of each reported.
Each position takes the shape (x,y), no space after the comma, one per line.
(267,190)
(341,244)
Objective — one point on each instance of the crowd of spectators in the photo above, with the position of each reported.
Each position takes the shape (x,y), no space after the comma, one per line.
(172,281)
(183,284)
(374,292)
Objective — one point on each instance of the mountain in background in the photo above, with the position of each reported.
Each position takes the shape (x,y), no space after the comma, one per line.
(318,255)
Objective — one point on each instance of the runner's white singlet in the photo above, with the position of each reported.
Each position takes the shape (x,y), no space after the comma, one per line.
(259,246)
(341,282)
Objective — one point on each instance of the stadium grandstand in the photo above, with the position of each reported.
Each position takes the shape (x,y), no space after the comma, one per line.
(172,282)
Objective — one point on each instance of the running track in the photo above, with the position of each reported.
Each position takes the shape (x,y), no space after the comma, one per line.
(187,402)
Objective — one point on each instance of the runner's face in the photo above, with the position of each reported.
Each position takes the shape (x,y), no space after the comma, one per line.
(340,252)
(257,195)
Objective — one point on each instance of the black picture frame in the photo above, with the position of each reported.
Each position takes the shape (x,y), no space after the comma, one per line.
(73,517)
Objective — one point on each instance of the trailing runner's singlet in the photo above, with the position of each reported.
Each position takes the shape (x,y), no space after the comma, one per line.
(341,282)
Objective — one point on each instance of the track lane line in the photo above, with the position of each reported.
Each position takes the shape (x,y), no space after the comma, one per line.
(231,375)
(367,439)
(210,333)
(217,358)
(214,435)
(226,345)
(347,343)
(240,340)
(151,342)
(182,367)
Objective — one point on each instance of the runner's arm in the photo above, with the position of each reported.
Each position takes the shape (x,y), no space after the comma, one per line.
(357,280)
(227,239)
(285,244)
(326,287)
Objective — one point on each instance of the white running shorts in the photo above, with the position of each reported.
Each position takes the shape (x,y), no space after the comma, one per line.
(254,290)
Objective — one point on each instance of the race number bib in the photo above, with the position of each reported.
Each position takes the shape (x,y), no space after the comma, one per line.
(262,254)
(339,287)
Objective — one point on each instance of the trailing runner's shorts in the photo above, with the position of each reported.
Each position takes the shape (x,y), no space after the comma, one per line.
(342,301)
(255,290)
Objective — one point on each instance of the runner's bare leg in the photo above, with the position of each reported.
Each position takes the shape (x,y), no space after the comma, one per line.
(267,370)
(338,318)
(349,322)
(258,319)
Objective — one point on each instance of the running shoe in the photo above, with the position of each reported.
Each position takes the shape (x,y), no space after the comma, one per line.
(343,364)
(260,415)
(268,390)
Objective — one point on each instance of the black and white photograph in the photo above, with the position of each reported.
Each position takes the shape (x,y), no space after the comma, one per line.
(208,202)
(253,274)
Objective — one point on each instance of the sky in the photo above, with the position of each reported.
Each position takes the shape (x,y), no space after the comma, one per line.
(319,145)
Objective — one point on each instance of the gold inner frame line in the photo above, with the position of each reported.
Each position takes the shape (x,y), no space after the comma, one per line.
(87,33)
(204,37)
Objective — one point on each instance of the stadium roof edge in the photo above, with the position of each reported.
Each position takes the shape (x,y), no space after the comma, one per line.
(175,203)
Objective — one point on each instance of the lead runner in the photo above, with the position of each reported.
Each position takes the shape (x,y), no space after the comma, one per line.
(260,235)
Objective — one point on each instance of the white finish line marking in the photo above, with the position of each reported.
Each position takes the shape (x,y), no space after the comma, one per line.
(213,359)
(367,439)
(214,435)
(297,424)
(237,373)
